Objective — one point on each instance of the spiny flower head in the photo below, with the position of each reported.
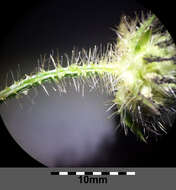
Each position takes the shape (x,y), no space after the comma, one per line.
(146,71)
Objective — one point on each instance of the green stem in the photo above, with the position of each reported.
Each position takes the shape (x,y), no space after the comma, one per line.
(56,74)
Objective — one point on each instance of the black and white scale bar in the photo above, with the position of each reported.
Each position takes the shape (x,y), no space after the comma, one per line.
(93,173)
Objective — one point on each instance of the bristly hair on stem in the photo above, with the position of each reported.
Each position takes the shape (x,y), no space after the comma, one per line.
(139,70)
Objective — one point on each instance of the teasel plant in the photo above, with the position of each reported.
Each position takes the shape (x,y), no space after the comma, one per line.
(138,69)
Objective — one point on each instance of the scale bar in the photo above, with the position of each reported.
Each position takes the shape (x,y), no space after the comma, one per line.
(95,173)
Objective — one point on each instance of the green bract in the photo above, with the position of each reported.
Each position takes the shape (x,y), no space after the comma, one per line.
(139,70)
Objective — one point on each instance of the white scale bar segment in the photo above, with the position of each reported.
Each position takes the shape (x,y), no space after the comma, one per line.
(63,173)
(80,173)
(130,173)
(96,173)
(114,173)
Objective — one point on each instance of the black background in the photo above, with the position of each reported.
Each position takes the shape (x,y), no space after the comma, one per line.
(159,154)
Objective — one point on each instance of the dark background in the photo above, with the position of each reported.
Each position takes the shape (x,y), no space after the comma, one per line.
(81,24)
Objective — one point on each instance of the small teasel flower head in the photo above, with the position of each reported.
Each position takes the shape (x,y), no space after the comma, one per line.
(146,57)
